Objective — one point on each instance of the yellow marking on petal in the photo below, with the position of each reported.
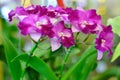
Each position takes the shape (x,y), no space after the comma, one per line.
(84,23)
(42,22)
(61,34)
(38,24)
(26,3)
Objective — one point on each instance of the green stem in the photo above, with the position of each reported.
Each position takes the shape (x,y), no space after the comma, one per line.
(33,49)
(31,53)
(64,62)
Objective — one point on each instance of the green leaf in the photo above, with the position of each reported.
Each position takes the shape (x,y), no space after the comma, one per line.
(2,54)
(116,53)
(38,65)
(10,53)
(77,68)
(89,64)
(42,49)
(74,50)
(23,57)
(115,22)
(42,68)
(106,75)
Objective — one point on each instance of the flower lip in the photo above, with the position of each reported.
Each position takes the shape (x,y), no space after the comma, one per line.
(104,41)
(64,35)
(38,24)
(84,23)
(61,34)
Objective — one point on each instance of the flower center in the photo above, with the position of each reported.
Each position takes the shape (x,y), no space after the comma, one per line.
(84,23)
(102,42)
(61,34)
(38,24)
(41,22)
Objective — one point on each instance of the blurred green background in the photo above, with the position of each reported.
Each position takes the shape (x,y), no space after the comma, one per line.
(104,69)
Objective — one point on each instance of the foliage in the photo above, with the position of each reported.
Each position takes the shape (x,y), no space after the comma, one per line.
(69,62)
(115,22)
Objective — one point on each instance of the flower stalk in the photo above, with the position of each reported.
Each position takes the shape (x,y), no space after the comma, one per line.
(33,49)
(64,62)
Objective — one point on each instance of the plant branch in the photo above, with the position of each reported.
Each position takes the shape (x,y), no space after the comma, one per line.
(64,62)
(31,53)
(33,49)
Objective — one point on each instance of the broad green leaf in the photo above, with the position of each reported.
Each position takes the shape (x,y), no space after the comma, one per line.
(10,53)
(23,57)
(115,22)
(0,31)
(38,65)
(74,50)
(116,53)
(106,75)
(1,70)
(42,68)
(83,69)
(80,64)
(43,48)
(2,54)
(89,64)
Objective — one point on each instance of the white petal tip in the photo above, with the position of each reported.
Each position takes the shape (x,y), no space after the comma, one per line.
(100,55)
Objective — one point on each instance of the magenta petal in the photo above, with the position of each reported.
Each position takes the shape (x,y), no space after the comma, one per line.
(75,29)
(35,36)
(11,14)
(20,11)
(55,44)
(59,27)
(100,55)
(104,42)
